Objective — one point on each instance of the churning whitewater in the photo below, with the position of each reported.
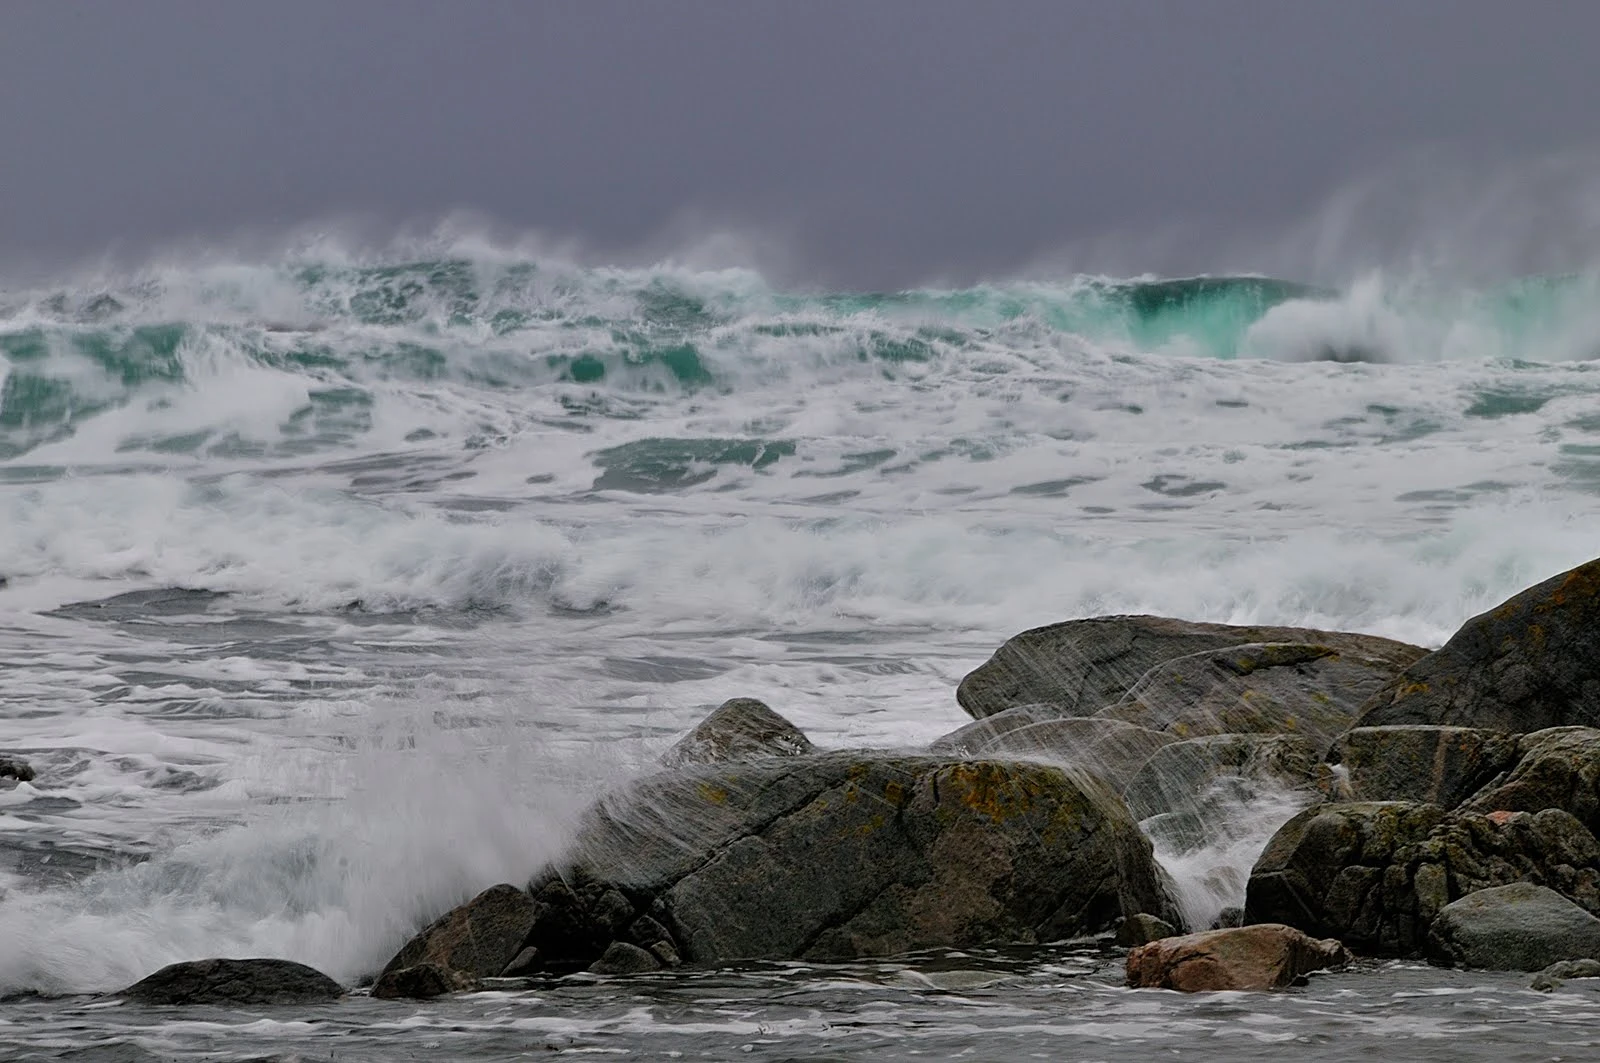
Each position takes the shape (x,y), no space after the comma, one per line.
(335,589)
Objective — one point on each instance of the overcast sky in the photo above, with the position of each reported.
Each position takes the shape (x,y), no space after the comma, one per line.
(880,142)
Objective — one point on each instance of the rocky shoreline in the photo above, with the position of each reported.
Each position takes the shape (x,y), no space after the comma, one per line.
(1452,803)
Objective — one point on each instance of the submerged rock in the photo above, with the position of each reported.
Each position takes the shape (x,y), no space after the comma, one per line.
(1300,688)
(224,981)
(1079,667)
(1376,874)
(1418,762)
(738,729)
(839,855)
(1265,956)
(1552,977)
(479,939)
(1517,927)
(1530,663)
(15,768)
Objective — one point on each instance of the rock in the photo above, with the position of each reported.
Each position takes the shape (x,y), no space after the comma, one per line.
(1265,956)
(231,982)
(1553,976)
(738,729)
(525,962)
(478,939)
(1414,762)
(422,981)
(1517,927)
(1233,915)
(1110,749)
(1296,688)
(1177,776)
(838,855)
(1556,768)
(1531,663)
(975,736)
(1376,874)
(1143,928)
(623,958)
(1079,667)
(15,768)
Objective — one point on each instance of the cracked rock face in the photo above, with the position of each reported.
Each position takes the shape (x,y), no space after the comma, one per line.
(1377,874)
(1080,667)
(842,855)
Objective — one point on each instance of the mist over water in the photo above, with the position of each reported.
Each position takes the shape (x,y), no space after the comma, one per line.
(337,586)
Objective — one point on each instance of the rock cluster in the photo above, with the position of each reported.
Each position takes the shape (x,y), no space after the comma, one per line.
(1452,804)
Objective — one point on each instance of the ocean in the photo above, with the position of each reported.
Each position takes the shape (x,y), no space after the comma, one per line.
(335,587)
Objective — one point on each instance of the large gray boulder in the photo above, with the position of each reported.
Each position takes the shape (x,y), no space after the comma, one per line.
(1376,874)
(1530,663)
(235,982)
(1517,927)
(1306,689)
(1079,667)
(1443,766)
(739,729)
(840,855)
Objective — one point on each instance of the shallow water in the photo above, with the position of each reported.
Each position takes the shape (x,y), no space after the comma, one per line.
(1056,1003)
(334,591)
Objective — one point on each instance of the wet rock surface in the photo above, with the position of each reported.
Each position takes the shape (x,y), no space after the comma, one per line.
(1556,768)
(1419,762)
(477,939)
(1110,749)
(421,981)
(235,982)
(1279,688)
(1079,667)
(1530,663)
(738,729)
(1266,956)
(1178,775)
(843,855)
(1517,927)
(1376,874)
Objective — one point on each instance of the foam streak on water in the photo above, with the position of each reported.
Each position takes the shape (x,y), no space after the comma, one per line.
(335,588)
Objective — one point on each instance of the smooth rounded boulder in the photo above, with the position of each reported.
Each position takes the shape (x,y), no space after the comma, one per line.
(1078,667)
(1516,927)
(1264,956)
(1530,663)
(235,982)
